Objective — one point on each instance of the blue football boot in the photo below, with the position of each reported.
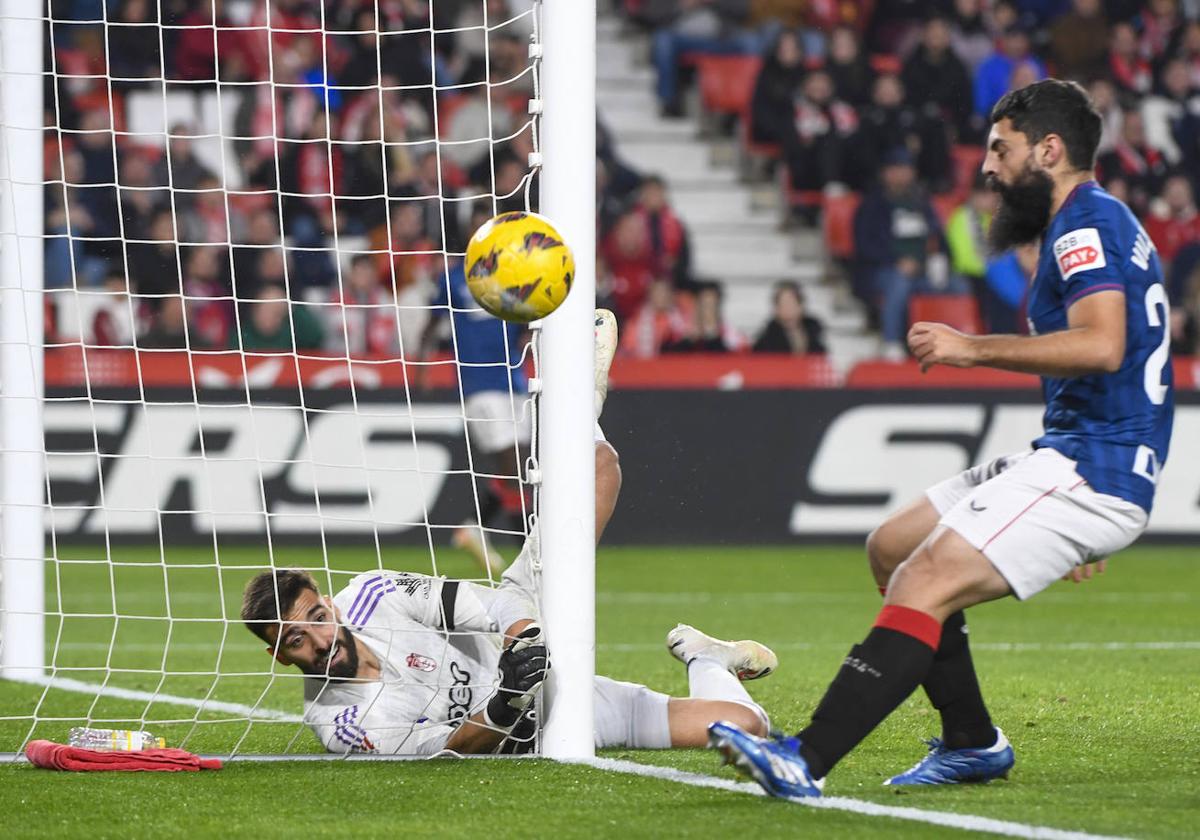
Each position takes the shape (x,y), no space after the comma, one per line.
(775,763)
(942,766)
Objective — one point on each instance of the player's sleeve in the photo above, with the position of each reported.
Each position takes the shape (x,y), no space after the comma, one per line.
(379,597)
(363,728)
(1089,258)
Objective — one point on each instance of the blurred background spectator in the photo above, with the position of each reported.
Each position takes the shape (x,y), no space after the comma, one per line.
(898,232)
(706,330)
(343,201)
(790,330)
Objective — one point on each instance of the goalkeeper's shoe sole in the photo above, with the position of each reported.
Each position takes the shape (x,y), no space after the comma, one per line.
(775,763)
(470,539)
(747,659)
(942,766)
(606,347)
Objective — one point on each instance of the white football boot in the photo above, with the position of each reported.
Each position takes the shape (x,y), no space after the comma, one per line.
(606,346)
(471,539)
(746,660)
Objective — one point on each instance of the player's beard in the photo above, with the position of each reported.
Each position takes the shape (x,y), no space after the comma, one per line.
(345,668)
(1024,209)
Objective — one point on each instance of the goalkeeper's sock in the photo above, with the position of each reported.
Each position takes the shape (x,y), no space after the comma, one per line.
(708,679)
(874,679)
(954,691)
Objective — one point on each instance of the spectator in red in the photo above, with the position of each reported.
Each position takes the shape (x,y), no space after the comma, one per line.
(775,91)
(196,51)
(1160,20)
(360,319)
(790,329)
(408,257)
(1143,167)
(664,317)
(1078,40)
(647,243)
(824,128)
(1173,222)
(707,332)
(935,80)
(209,313)
(1126,64)
(848,67)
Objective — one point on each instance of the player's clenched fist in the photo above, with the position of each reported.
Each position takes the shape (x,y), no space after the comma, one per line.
(523,667)
(937,344)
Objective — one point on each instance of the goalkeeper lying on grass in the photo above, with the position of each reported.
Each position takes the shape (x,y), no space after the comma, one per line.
(403,663)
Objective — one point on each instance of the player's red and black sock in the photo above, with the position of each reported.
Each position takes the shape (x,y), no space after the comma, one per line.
(954,691)
(874,679)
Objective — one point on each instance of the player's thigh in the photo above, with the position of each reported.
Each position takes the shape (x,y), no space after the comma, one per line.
(497,421)
(900,534)
(943,575)
(630,715)
(1038,520)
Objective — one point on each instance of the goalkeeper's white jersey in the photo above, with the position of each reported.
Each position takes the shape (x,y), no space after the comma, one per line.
(438,647)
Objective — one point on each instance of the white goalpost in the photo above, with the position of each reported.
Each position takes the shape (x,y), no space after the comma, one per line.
(22,486)
(231,341)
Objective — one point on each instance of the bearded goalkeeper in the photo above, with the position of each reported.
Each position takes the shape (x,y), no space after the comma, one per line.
(407,664)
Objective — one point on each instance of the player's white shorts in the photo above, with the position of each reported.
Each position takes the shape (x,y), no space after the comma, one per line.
(630,715)
(497,420)
(1034,517)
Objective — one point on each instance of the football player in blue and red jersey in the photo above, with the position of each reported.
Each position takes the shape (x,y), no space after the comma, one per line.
(1099,340)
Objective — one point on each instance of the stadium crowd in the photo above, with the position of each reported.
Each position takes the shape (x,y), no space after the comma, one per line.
(320,214)
(877,111)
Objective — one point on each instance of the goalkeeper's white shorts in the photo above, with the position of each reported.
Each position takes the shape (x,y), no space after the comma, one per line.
(1034,517)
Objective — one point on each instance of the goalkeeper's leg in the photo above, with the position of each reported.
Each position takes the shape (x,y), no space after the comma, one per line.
(632,715)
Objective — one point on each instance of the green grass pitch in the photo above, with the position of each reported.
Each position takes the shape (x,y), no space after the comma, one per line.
(1107,735)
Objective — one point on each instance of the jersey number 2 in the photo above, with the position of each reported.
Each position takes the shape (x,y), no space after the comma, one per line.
(1156,296)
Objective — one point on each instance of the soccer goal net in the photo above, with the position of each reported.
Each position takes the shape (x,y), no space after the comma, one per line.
(236,337)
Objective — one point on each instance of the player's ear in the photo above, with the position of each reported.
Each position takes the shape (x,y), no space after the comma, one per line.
(278,655)
(1050,151)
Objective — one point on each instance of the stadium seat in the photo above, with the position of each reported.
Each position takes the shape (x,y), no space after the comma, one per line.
(839,225)
(959,311)
(966,159)
(727,82)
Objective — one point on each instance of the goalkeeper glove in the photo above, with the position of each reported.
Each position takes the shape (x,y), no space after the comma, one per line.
(523,668)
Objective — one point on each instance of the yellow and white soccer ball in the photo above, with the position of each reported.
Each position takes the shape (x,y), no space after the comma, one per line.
(518,267)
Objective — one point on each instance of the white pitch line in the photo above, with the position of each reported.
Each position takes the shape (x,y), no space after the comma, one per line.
(81,687)
(1003,647)
(964,822)
(638,647)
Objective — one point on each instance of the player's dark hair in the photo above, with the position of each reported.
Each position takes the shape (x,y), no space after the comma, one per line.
(1053,106)
(269,596)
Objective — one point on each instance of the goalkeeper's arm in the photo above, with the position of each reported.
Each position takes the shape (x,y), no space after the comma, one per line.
(523,667)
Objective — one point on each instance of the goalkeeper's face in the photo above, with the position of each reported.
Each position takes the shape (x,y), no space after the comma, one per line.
(314,641)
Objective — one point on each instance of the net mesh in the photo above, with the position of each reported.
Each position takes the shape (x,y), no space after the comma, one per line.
(259,351)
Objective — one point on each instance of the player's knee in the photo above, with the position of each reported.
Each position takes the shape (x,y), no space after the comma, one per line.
(882,551)
(751,720)
(608,463)
(917,573)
